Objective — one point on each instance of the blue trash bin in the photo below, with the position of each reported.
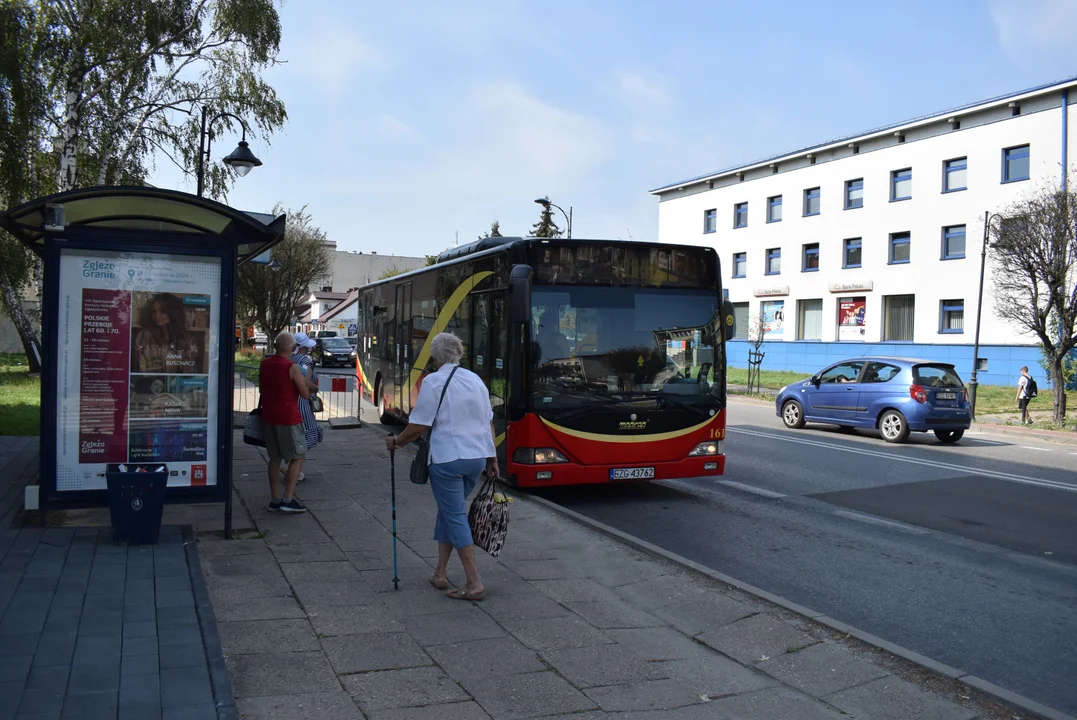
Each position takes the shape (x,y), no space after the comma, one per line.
(136,501)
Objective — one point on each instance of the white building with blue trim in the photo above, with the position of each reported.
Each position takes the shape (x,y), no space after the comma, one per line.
(870,244)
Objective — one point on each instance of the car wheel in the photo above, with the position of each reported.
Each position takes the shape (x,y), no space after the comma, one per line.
(893,427)
(949,436)
(793,415)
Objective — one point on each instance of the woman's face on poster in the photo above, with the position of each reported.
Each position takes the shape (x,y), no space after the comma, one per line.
(160,317)
(157,387)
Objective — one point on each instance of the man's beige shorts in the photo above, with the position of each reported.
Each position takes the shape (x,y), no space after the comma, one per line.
(284,441)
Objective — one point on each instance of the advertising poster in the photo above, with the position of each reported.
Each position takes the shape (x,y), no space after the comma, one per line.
(137,342)
(851,320)
(774,317)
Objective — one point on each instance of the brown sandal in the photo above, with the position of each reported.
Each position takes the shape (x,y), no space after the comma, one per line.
(440,584)
(464,594)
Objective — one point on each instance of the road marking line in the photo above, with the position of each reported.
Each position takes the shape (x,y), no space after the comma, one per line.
(751,489)
(1029,447)
(872,520)
(928,463)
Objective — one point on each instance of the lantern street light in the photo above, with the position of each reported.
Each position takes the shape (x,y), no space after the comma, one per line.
(545,202)
(242,160)
(973,384)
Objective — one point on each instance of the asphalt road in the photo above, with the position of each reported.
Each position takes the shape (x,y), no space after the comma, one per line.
(966,554)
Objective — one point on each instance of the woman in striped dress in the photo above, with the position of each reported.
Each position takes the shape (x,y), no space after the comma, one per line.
(312,431)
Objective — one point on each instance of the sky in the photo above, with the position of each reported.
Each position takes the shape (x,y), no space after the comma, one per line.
(414,123)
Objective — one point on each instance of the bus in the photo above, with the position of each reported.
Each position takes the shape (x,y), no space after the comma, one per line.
(605,360)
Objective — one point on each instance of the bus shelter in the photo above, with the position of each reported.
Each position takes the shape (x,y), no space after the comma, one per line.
(137,325)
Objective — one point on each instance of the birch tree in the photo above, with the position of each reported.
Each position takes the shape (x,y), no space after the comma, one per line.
(123,84)
(1034,253)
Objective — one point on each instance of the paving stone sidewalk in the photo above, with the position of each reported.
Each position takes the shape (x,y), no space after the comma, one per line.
(573,625)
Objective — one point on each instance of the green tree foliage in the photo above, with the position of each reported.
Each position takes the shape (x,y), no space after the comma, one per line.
(431,260)
(270,298)
(1034,253)
(391,272)
(494,231)
(92,91)
(546,227)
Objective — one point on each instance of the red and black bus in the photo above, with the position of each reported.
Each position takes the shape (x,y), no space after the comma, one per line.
(605,360)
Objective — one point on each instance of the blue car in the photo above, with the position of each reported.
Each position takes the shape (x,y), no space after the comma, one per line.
(895,396)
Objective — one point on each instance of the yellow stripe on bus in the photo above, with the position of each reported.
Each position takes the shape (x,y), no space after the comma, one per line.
(451,305)
(627,438)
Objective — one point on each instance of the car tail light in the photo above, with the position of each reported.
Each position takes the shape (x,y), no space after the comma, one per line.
(966,395)
(917,393)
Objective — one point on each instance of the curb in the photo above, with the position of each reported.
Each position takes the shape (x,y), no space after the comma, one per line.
(218,669)
(998,693)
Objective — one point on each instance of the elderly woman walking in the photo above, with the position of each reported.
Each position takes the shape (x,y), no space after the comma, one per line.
(312,431)
(461,448)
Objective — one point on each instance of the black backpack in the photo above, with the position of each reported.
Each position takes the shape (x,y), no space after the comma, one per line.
(1030,389)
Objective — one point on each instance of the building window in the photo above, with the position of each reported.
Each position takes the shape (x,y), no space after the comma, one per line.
(1015,164)
(740,319)
(811,201)
(710,220)
(952,316)
(901,185)
(740,264)
(899,312)
(740,215)
(774,261)
(854,194)
(774,209)
(811,257)
(953,242)
(955,175)
(852,254)
(809,320)
(900,244)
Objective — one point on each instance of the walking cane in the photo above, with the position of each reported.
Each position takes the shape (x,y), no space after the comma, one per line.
(392,486)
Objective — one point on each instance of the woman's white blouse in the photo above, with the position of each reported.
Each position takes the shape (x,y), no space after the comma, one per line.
(462,428)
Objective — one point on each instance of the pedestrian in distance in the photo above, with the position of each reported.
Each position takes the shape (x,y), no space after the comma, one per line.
(1026,390)
(312,431)
(461,449)
(281,384)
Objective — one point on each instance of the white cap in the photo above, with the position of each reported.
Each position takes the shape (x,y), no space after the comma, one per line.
(302,340)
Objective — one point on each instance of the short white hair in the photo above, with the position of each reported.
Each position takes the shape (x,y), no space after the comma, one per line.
(284,341)
(446,348)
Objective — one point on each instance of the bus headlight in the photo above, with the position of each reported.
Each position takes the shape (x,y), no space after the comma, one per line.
(711,447)
(538,456)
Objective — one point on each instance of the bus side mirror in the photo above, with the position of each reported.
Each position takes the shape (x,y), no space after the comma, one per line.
(520,294)
(729,321)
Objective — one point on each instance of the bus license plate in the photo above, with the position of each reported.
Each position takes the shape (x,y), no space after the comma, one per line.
(644,473)
(945,396)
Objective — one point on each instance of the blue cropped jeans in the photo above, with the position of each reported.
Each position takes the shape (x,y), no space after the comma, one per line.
(451,483)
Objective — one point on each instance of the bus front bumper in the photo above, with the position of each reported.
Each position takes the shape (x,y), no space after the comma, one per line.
(557,474)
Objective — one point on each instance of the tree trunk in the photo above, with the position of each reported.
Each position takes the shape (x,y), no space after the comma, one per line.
(1058,383)
(70,133)
(23,325)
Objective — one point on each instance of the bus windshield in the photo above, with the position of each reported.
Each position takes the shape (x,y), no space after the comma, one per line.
(606,344)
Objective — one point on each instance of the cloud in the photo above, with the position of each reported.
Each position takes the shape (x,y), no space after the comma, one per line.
(333,58)
(646,92)
(1034,28)
(393,127)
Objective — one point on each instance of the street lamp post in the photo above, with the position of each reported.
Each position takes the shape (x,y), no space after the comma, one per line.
(988,218)
(568,215)
(242,160)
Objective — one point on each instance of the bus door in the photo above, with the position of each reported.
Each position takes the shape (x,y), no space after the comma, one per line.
(490,349)
(402,348)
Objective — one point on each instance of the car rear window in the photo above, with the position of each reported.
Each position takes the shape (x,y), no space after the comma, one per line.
(937,376)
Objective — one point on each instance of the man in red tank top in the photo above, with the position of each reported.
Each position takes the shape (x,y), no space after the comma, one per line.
(281,384)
